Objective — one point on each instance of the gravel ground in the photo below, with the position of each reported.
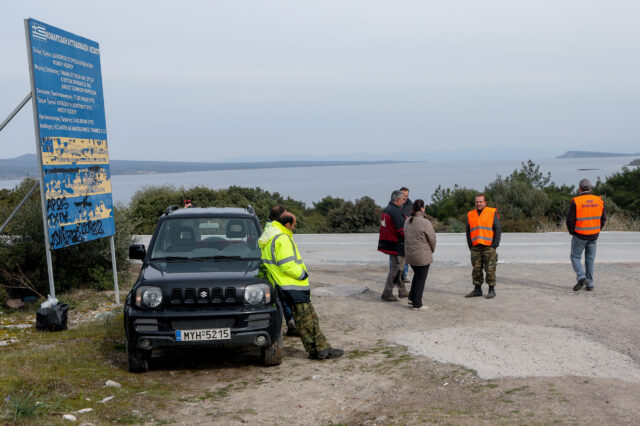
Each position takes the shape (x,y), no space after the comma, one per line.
(537,353)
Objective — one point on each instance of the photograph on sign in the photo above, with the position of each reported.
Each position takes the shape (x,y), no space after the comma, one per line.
(72,133)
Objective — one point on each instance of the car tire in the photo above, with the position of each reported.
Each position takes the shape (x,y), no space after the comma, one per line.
(137,359)
(272,354)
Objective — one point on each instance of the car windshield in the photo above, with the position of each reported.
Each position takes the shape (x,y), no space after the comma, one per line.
(206,239)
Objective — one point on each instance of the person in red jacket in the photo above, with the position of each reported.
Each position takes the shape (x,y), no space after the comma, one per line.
(391,242)
(585,220)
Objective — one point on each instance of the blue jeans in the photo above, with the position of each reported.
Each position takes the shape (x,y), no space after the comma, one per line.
(589,248)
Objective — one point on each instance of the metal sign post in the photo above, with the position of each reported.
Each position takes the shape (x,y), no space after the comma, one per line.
(43,200)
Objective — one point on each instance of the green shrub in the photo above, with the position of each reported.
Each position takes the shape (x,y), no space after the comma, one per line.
(451,203)
(361,216)
(622,188)
(22,255)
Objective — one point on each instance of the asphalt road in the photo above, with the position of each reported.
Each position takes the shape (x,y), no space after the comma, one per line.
(451,249)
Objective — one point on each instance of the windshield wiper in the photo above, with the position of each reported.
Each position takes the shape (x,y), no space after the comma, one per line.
(168,258)
(220,257)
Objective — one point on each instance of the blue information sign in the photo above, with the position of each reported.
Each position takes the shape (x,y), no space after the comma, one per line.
(72,133)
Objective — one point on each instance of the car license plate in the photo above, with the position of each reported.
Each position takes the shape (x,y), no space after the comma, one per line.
(206,334)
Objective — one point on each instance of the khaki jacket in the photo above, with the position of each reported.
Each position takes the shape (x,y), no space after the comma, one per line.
(419,241)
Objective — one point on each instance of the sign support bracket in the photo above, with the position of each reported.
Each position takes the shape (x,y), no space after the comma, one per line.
(115,269)
(15,111)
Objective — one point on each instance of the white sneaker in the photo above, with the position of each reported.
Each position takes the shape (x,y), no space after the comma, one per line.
(421,308)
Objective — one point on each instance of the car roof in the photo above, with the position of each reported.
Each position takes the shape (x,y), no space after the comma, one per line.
(208,211)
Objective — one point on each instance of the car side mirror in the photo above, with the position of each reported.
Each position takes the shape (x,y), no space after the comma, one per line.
(137,251)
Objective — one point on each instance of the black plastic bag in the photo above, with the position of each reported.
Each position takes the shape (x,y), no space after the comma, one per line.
(53,318)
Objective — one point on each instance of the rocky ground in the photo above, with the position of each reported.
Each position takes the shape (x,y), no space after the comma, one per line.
(537,353)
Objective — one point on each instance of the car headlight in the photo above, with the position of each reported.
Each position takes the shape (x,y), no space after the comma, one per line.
(257,293)
(148,297)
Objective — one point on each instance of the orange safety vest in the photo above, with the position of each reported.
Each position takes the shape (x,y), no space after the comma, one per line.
(588,214)
(481,226)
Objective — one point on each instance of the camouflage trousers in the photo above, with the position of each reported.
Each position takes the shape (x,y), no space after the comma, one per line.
(483,258)
(307,324)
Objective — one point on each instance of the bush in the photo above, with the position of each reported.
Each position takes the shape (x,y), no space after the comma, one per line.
(519,204)
(622,188)
(361,216)
(150,202)
(23,258)
(451,203)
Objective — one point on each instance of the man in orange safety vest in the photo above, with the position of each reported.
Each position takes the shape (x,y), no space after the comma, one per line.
(585,220)
(483,238)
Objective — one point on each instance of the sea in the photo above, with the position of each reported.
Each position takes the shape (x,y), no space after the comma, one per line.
(350,182)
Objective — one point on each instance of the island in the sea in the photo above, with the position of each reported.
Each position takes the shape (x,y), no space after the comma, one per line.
(595,154)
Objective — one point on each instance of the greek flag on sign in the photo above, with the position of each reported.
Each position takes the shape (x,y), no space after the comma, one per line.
(39,32)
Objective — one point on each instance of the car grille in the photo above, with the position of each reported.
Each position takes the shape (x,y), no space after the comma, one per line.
(204,295)
(196,324)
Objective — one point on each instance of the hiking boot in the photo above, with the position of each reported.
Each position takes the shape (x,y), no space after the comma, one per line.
(579,284)
(406,280)
(388,298)
(403,293)
(589,288)
(329,353)
(477,292)
(492,293)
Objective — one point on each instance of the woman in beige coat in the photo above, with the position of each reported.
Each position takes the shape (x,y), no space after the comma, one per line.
(419,245)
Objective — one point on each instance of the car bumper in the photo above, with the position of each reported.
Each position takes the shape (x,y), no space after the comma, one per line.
(157,330)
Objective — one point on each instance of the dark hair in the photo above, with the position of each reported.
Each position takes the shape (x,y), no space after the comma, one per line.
(481,195)
(404,188)
(417,206)
(276,212)
(286,217)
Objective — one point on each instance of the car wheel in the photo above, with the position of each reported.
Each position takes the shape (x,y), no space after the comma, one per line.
(137,359)
(272,354)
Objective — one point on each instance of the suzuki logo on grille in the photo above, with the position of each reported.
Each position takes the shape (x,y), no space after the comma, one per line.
(203,294)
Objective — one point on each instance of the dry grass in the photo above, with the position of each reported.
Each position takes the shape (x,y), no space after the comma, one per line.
(615,222)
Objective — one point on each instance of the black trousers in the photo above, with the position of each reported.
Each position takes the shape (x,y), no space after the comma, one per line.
(417,284)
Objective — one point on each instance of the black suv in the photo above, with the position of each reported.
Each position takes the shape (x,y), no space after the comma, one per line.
(200,286)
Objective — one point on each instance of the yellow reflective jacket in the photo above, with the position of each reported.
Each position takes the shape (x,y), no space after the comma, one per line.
(282,260)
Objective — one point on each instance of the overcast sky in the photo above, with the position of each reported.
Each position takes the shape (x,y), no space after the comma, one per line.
(217,80)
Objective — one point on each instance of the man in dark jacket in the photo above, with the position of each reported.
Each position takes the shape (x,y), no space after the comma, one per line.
(406,211)
(585,219)
(391,242)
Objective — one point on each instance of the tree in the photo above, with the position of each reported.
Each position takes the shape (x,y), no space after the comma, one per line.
(530,173)
(622,188)
(451,203)
(361,216)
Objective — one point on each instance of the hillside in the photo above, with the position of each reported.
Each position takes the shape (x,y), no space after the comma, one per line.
(26,165)
(595,154)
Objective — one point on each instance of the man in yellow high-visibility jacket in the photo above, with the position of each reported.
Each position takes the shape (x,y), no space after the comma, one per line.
(286,270)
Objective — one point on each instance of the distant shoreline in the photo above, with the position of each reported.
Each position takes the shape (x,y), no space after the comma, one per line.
(595,154)
(26,165)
